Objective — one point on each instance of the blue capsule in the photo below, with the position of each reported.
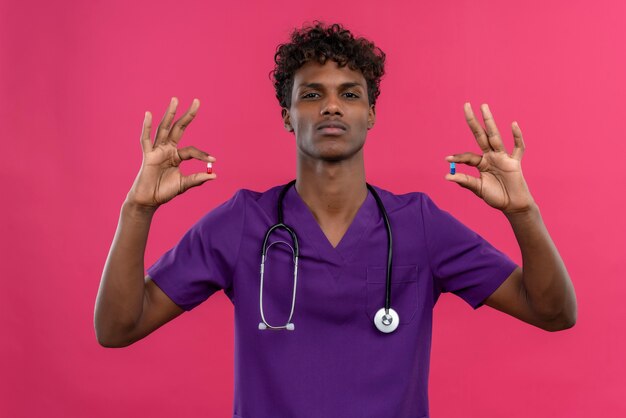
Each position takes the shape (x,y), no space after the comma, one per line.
(452,168)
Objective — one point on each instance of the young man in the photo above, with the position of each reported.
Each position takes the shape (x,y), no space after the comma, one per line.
(354,340)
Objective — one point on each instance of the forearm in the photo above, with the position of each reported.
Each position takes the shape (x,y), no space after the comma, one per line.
(119,303)
(548,287)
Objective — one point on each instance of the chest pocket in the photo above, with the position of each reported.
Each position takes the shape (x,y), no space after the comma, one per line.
(404,291)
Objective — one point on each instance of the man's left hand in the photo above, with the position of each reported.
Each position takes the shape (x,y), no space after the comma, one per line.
(501,183)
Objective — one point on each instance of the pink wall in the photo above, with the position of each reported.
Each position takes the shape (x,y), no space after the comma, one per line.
(76,79)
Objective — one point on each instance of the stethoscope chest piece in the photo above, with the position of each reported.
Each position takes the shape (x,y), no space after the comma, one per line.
(386,322)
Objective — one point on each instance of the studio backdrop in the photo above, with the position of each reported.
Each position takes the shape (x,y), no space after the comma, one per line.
(76,78)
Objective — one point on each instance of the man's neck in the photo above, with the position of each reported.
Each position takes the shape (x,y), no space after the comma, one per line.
(334,192)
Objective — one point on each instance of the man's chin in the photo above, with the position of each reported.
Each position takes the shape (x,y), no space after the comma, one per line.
(333,158)
(335,155)
(330,152)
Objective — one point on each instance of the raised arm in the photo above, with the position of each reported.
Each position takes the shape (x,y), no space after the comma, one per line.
(541,292)
(129,306)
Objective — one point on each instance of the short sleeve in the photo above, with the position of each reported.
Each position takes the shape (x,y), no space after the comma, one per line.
(204,259)
(462,261)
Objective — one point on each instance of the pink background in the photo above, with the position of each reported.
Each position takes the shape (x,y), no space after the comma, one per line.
(76,78)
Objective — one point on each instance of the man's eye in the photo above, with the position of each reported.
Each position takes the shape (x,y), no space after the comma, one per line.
(309,95)
(352,95)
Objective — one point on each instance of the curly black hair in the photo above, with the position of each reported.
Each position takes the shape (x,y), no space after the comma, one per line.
(320,43)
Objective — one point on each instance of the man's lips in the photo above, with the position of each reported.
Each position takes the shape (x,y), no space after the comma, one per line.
(332,128)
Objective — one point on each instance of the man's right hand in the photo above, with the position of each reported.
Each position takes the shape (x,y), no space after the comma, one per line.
(160,178)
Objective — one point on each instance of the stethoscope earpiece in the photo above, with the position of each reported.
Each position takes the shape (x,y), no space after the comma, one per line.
(289,327)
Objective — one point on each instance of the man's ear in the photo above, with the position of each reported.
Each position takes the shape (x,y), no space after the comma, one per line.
(371,117)
(286,119)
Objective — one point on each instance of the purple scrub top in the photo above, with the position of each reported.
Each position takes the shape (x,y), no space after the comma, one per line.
(335,363)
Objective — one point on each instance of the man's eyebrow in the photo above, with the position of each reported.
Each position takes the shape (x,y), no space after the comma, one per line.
(342,86)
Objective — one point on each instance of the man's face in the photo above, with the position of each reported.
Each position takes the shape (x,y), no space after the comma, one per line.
(330,113)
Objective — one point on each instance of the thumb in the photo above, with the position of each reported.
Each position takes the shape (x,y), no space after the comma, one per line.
(468,182)
(193,180)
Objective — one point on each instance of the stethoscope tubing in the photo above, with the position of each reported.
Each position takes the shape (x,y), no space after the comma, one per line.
(389,246)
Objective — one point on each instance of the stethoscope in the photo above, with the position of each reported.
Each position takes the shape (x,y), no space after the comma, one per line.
(386,319)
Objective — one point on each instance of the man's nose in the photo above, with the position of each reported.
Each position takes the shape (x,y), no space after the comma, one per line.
(332,106)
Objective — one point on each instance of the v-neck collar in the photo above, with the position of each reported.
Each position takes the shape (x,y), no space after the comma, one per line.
(299,216)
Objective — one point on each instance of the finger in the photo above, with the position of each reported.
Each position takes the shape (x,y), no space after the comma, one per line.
(520,147)
(477,130)
(468,182)
(492,130)
(468,158)
(166,123)
(190,152)
(177,130)
(146,144)
(193,180)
